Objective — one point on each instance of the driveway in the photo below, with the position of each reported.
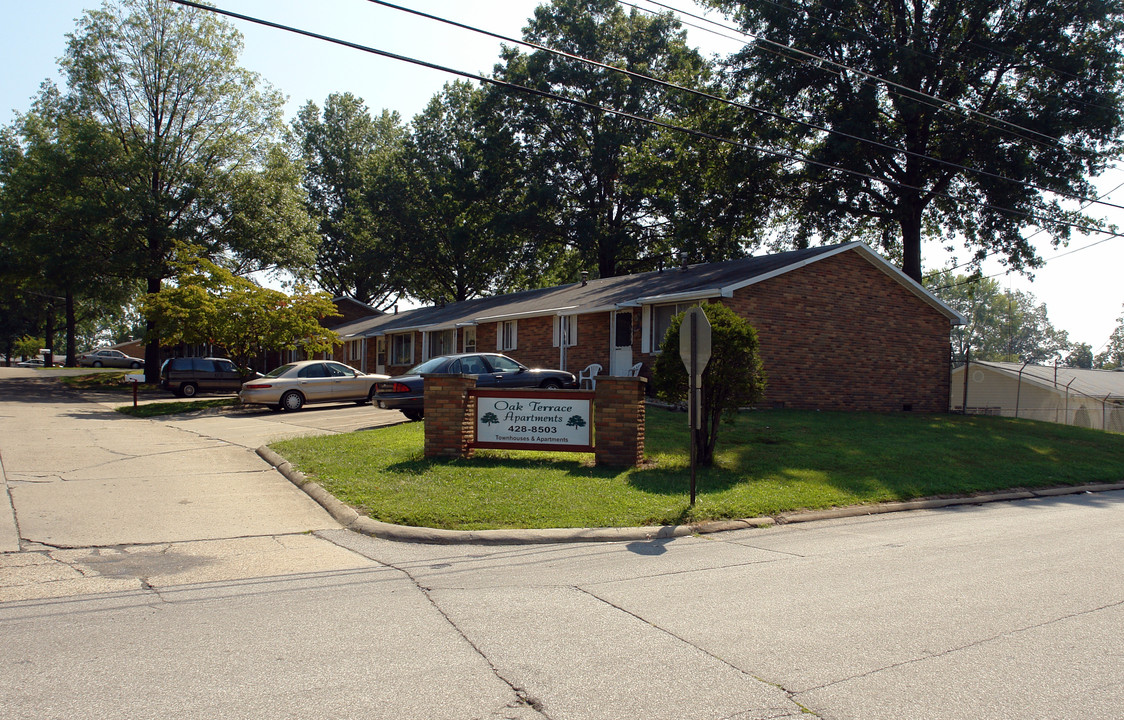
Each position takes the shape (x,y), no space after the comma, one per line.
(95,495)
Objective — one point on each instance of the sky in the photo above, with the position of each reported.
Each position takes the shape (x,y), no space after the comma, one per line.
(1082,285)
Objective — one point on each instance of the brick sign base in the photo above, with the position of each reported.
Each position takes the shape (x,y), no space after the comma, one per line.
(618,418)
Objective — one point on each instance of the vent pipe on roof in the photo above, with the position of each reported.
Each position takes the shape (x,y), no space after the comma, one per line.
(395,308)
(585,278)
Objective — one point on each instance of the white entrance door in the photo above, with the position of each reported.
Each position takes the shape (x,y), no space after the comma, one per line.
(620,356)
(380,355)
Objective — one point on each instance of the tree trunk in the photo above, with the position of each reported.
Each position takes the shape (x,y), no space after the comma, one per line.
(152,349)
(71,330)
(910,221)
(49,336)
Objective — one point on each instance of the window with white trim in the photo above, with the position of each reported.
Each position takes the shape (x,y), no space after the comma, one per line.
(354,351)
(442,342)
(566,330)
(402,349)
(661,320)
(507,337)
(469,338)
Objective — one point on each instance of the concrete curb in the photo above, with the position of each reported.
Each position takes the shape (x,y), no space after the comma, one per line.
(352,520)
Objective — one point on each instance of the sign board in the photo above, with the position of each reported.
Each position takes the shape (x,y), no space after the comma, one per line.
(695,350)
(134,377)
(696,318)
(534,420)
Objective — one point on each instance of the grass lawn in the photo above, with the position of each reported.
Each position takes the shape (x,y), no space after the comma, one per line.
(768,462)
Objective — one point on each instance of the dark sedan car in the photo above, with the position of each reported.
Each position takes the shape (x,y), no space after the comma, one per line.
(491,370)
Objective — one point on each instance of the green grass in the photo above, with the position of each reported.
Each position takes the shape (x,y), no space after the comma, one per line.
(768,462)
(175,408)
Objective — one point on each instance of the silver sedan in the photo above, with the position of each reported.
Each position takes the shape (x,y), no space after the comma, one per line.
(291,386)
(107,357)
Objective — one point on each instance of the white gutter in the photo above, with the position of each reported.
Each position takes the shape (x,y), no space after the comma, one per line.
(676,297)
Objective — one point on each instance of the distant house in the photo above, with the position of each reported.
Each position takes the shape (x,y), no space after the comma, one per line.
(839,327)
(1070,396)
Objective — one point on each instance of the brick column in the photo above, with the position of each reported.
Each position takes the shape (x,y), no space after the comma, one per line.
(450,415)
(619,420)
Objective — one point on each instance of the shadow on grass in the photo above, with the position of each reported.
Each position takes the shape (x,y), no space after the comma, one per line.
(887,456)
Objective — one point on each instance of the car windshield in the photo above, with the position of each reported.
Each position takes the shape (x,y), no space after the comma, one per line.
(278,372)
(428,366)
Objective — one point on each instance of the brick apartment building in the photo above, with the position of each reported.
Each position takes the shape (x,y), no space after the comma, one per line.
(839,327)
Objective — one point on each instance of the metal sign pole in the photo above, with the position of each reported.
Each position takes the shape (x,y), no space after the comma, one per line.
(694,351)
(693,397)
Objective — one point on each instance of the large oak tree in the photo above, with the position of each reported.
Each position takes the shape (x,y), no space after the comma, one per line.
(988,115)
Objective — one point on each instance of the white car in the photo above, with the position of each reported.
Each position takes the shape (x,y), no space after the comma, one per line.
(291,386)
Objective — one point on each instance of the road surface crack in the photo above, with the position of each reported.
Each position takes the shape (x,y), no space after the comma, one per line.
(798,711)
(966,646)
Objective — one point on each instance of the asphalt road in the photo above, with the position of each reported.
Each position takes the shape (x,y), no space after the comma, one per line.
(163,571)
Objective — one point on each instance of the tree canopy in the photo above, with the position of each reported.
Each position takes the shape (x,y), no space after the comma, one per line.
(1112,356)
(211,305)
(589,170)
(198,133)
(460,212)
(58,224)
(352,178)
(1002,325)
(963,121)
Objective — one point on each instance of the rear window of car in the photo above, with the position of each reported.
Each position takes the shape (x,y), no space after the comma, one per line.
(428,366)
(279,371)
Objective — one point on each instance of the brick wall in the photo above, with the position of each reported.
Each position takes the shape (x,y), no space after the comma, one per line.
(450,415)
(619,421)
(840,334)
(450,419)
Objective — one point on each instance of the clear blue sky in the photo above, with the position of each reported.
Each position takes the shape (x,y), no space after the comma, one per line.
(1083,290)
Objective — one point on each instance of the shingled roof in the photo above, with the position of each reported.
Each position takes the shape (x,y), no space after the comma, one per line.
(695,282)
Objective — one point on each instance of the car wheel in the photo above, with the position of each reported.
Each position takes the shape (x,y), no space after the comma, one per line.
(292,401)
(551,385)
(414,415)
(189,390)
(97,363)
(134,365)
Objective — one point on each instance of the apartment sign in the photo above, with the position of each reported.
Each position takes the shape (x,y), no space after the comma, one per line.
(534,419)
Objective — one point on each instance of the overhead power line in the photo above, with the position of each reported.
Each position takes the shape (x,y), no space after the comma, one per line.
(819,60)
(611,111)
(734,103)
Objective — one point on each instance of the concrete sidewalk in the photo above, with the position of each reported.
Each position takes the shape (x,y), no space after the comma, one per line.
(101,502)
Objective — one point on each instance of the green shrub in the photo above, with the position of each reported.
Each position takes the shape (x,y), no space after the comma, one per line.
(734,377)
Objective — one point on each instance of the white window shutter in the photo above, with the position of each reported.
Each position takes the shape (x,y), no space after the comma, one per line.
(646,329)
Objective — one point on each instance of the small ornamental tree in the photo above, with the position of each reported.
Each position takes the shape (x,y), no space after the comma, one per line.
(28,346)
(734,377)
(211,305)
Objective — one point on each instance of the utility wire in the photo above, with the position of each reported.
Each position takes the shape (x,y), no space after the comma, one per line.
(619,113)
(1030,237)
(985,48)
(819,60)
(735,103)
